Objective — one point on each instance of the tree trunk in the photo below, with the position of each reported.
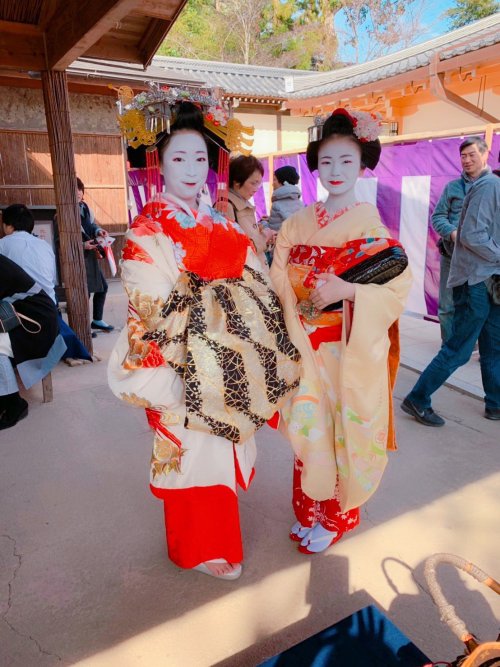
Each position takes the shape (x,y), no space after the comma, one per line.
(55,95)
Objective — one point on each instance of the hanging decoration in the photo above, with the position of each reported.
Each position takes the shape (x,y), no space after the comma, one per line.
(149,113)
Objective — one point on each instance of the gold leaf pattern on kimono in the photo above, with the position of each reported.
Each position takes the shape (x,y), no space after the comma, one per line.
(166,457)
(141,354)
(148,309)
(133,399)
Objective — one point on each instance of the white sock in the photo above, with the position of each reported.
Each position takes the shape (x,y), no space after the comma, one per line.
(318,539)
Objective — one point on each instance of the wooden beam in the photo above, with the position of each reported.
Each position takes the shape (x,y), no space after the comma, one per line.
(377,88)
(56,100)
(152,38)
(440,91)
(107,49)
(47,11)
(161,9)
(78,25)
(21,46)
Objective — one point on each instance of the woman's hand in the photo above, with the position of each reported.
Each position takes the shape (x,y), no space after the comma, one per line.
(270,235)
(89,245)
(330,289)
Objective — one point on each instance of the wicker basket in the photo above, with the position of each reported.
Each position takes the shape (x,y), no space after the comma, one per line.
(486,654)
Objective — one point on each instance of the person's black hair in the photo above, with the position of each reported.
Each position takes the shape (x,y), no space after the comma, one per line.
(188,116)
(341,125)
(242,167)
(20,217)
(79,185)
(481,144)
(288,174)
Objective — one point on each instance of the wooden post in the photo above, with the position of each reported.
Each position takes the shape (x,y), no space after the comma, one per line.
(56,99)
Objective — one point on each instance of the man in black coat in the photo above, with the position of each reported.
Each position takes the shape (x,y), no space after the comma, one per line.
(33,345)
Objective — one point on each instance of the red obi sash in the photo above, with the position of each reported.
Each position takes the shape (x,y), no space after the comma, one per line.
(306,261)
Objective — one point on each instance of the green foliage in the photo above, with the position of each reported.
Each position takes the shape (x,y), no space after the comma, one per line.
(290,33)
(196,33)
(467,11)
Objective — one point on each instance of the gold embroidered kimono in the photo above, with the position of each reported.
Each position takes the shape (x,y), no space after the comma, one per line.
(339,421)
(205,352)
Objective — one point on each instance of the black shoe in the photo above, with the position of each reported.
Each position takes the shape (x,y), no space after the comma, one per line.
(93,334)
(425,416)
(102,325)
(492,413)
(14,413)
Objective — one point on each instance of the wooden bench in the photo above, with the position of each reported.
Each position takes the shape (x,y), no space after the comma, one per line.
(48,393)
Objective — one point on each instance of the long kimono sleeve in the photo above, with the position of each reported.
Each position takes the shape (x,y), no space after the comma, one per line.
(137,370)
(286,239)
(370,358)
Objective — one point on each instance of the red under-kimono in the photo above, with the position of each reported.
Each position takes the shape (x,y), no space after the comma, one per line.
(189,384)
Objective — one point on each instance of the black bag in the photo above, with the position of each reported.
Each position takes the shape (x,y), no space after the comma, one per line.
(493,287)
(8,317)
(444,249)
(378,269)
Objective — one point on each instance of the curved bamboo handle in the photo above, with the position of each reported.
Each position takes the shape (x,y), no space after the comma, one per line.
(446,610)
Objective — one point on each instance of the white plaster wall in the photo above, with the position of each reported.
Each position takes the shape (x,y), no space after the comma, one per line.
(265,136)
(439,115)
(294,132)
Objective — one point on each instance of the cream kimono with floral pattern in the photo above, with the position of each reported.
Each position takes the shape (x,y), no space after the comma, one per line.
(338,421)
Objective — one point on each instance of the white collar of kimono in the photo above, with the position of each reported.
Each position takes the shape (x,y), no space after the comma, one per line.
(202,206)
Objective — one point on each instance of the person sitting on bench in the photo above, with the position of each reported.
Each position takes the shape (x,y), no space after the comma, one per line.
(29,338)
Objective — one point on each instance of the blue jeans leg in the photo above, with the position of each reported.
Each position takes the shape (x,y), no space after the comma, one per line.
(472,307)
(446,306)
(489,357)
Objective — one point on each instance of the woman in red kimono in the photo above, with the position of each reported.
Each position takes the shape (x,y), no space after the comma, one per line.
(205,352)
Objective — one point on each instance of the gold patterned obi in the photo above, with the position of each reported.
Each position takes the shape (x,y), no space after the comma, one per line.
(303,263)
(227,340)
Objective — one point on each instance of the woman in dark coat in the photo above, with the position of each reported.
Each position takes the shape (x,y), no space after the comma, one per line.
(33,347)
(96,283)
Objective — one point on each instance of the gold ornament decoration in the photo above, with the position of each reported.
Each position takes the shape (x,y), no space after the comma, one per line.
(133,127)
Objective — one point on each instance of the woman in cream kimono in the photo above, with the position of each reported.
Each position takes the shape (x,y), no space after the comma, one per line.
(205,353)
(339,422)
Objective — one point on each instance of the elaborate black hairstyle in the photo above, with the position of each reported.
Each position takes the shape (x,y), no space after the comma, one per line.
(187,116)
(342,123)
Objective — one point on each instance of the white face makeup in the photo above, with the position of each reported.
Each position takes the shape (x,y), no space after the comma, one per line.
(185,166)
(339,165)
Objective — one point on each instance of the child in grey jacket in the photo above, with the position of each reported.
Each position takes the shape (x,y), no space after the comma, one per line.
(286,196)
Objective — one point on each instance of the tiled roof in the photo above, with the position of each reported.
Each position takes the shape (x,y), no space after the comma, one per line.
(255,81)
(91,68)
(252,80)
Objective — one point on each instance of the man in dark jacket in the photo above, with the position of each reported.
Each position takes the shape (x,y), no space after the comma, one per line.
(445,218)
(96,283)
(33,345)
(475,281)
